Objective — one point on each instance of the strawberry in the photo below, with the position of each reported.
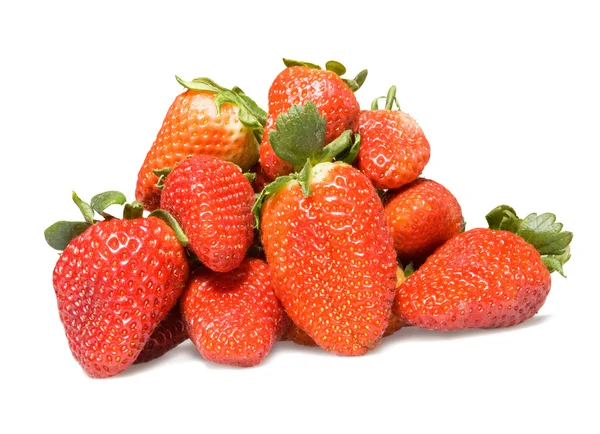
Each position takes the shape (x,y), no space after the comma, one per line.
(260,180)
(325,238)
(301,82)
(484,278)
(421,216)
(393,150)
(233,318)
(212,201)
(206,119)
(169,333)
(115,281)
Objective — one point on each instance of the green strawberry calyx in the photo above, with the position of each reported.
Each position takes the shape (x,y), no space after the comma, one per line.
(541,231)
(249,113)
(390,100)
(60,234)
(336,67)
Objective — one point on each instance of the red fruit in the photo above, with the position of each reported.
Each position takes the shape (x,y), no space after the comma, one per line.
(421,216)
(486,278)
(195,125)
(233,318)
(114,284)
(333,97)
(169,333)
(331,256)
(393,149)
(212,202)
(260,180)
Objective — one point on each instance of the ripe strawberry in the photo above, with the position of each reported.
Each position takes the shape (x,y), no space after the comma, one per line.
(205,119)
(169,333)
(393,150)
(212,201)
(421,216)
(485,278)
(233,318)
(301,82)
(114,283)
(261,179)
(326,240)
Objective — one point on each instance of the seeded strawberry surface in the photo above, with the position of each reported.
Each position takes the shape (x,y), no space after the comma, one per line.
(114,283)
(481,278)
(233,318)
(192,127)
(212,201)
(332,258)
(393,149)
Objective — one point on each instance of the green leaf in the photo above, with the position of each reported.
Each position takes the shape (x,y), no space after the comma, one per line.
(556,262)
(170,220)
(202,84)
(162,175)
(299,134)
(503,217)
(409,270)
(133,210)
(269,190)
(336,147)
(305,177)
(350,154)
(84,207)
(290,62)
(103,200)
(60,234)
(250,176)
(335,67)
(357,82)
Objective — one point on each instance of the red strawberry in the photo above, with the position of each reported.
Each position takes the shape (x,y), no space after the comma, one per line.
(301,82)
(393,150)
(212,201)
(421,216)
(261,179)
(233,318)
(206,119)
(114,283)
(169,333)
(486,278)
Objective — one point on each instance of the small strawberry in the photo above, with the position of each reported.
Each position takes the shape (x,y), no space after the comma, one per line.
(212,201)
(325,238)
(206,119)
(233,318)
(486,278)
(393,150)
(115,281)
(421,216)
(301,82)
(169,333)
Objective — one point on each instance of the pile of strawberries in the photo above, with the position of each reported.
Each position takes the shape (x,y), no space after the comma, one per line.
(309,223)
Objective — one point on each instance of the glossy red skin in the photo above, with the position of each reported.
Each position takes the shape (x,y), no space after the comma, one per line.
(332,259)
(421,216)
(212,202)
(393,149)
(114,284)
(169,333)
(296,85)
(192,127)
(481,278)
(233,318)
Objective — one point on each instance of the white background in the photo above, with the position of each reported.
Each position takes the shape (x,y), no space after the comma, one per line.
(508,97)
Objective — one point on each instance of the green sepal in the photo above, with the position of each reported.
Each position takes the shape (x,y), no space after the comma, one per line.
(162,175)
(290,62)
(60,234)
(170,220)
(336,67)
(269,190)
(305,178)
(133,210)
(409,270)
(102,201)
(86,210)
(390,100)
(541,231)
(299,134)
(250,176)
(350,154)
(358,81)
(336,147)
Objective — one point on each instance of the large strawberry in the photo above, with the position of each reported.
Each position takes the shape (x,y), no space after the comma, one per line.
(233,318)
(485,278)
(115,281)
(206,119)
(212,202)
(325,238)
(301,82)
(421,216)
(394,150)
